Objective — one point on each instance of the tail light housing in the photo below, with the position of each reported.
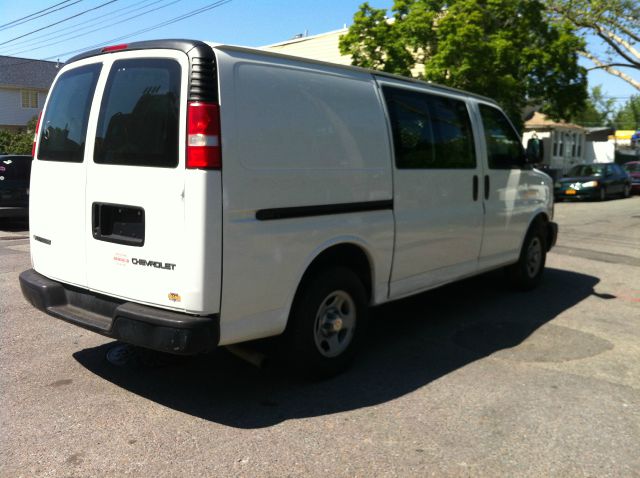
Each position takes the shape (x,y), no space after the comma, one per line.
(203,136)
(35,136)
(110,48)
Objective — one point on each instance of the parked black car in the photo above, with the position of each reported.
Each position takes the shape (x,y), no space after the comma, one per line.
(593,181)
(15,171)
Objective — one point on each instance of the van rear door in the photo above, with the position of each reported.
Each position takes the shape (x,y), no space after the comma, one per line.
(136,180)
(58,176)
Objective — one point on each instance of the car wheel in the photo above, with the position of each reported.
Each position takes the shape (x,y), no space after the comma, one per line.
(526,274)
(603,194)
(326,324)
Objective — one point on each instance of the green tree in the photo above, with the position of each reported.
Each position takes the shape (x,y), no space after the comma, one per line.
(372,42)
(628,117)
(19,142)
(505,49)
(616,23)
(598,110)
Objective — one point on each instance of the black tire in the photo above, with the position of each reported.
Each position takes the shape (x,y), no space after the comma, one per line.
(603,194)
(320,339)
(526,274)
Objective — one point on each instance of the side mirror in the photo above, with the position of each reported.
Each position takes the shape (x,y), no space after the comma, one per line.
(530,156)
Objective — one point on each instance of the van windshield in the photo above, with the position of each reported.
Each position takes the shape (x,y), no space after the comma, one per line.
(139,117)
(63,129)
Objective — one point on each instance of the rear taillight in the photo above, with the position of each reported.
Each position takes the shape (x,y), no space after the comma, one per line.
(203,136)
(35,136)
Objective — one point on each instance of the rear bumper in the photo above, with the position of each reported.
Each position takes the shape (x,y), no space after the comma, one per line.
(132,323)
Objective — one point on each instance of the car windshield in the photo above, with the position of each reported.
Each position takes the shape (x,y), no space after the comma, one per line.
(587,170)
(632,167)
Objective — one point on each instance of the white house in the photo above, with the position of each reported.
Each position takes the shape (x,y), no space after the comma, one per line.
(323,47)
(563,143)
(24,85)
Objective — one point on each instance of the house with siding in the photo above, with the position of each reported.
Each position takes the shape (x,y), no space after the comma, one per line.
(563,143)
(321,47)
(24,85)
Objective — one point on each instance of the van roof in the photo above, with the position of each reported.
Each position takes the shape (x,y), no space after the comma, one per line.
(379,73)
(187,46)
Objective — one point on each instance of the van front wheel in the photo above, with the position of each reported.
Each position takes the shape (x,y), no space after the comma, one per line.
(527,272)
(326,322)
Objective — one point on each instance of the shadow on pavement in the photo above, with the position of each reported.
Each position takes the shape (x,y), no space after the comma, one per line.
(410,343)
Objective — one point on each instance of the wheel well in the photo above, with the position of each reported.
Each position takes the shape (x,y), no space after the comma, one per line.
(346,255)
(541,220)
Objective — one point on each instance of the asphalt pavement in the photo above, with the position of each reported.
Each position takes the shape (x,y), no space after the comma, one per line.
(471,379)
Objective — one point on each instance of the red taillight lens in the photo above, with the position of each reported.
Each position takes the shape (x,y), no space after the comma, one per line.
(203,136)
(121,46)
(35,136)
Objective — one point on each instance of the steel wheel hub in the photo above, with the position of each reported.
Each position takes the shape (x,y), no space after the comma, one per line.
(534,257)
(335,323)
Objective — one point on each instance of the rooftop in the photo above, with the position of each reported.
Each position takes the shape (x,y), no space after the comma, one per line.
(541,121)
(26,73)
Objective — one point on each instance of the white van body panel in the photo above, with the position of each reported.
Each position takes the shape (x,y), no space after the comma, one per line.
(516,197)
(295,134)
(182,217)
(57,207)
(438,222)
(159,192)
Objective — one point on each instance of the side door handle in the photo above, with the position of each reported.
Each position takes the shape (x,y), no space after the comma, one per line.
(475,188)
(486,186)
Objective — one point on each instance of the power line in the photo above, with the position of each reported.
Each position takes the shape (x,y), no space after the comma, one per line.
(31,44)
(48,35)
(35,15)
(211,6)
(63,20)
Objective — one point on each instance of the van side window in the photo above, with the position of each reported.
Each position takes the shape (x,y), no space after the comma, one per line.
(504,149)
(63,130)
(139,116)
(429,131)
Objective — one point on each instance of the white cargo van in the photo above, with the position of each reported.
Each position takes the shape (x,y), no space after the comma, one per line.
(187,195)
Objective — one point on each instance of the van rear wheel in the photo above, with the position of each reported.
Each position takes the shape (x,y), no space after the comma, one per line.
(526,274)
(326,322)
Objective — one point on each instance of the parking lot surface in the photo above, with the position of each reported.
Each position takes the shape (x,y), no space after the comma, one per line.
(471,379)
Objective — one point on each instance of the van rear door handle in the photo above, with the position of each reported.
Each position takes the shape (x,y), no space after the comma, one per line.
(475,188)
(486,186)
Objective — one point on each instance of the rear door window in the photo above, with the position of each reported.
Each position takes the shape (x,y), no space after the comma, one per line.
(63,129)
(139,117)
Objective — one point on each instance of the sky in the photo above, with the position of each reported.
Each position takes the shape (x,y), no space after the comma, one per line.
(239,22)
